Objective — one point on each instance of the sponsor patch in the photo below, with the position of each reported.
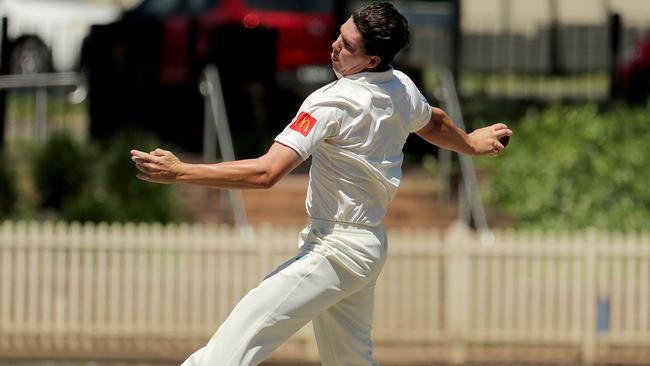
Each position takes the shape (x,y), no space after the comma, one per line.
(303,123)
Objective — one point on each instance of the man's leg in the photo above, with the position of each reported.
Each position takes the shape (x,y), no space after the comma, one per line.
(343,331)
(283,303)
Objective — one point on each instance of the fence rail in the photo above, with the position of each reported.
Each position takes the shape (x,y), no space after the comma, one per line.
(41,103)
(158,292)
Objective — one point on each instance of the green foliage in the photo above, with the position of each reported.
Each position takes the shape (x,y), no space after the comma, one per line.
(136,200)
(83,182)
(61,168)
(576,167)
(479,111)
(8,189)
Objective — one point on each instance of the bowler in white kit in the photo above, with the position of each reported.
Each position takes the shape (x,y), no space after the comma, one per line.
(354,129)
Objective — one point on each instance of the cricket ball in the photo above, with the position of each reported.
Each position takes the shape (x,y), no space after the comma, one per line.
(504,140)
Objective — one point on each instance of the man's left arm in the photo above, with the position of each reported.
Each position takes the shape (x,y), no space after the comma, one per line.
(443,132)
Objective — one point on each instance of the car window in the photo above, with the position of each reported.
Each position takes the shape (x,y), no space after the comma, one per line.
(199,6)
(159,8)
(320,6)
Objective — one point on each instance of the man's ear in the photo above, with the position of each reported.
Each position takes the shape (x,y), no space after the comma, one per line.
(373,62)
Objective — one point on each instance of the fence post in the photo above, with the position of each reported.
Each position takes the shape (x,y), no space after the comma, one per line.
(7,248)
(589,336)
(615,26)
(457,288)
(40,115)
(4,70)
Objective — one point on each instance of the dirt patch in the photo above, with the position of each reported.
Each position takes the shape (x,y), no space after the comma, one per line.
(414,206)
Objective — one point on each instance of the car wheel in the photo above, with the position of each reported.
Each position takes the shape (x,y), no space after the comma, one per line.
(30,56)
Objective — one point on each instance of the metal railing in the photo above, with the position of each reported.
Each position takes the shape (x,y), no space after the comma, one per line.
(470,205)
(41,84)
(216,130)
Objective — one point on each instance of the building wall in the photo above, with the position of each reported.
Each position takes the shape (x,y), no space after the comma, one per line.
(121,3)
(527,15)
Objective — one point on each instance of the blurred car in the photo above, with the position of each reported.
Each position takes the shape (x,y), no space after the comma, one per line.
(46,35)
(144,69)
(632,80)
(304,32)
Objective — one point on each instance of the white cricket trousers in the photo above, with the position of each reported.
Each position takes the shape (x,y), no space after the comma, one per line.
(330,282)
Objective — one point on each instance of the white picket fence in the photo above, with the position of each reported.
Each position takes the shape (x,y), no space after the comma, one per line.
(158,292)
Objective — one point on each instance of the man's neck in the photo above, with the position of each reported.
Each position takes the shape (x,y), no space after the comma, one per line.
(380,68)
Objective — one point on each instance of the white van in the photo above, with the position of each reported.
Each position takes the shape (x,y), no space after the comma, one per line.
(46,35)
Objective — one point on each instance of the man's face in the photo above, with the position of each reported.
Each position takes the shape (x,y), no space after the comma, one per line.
(348,54)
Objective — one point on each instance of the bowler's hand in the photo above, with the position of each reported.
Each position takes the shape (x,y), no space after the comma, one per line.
(159,166)
(485,141)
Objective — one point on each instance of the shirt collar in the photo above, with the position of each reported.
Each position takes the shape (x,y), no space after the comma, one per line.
(372,76)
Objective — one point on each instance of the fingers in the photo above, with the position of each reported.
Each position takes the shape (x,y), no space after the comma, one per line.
(153,156)
(144,156)
(160,152)
(504,133)
(139,154)
(500,130)
(143,177)
(497,147)
(141,168)
(499,126)
(148,167)
(153,166)
(499,143)
(138,160)
(145,165)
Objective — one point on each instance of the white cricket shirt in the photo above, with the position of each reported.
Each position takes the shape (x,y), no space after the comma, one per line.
(354,129)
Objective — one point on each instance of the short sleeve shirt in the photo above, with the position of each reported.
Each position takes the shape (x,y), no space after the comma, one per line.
(354,129)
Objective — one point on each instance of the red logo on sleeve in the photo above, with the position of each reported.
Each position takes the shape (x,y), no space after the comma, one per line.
(304,123)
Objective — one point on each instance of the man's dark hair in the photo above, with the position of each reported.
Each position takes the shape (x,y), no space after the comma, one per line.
(383,29)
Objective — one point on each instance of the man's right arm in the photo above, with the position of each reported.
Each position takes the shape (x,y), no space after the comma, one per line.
(162,166)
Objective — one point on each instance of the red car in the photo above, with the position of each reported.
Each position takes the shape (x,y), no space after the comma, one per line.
(144,69)
(633,78)
(304,29)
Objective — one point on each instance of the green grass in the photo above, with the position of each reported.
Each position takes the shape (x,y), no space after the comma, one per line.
(20,122)
(20,104)
(590,86)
